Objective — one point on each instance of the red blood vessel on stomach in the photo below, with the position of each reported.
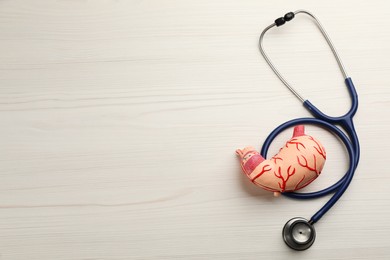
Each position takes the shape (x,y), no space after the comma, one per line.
(298,163)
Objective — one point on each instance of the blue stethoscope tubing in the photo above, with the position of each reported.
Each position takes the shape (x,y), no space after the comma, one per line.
(299,233)
(351,143)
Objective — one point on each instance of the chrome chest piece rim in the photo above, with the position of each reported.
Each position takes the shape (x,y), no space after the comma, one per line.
(299,234)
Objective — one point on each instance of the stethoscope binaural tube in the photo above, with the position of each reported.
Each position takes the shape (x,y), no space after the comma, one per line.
(299,233)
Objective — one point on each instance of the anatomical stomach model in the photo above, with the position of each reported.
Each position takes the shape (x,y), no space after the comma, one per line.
(298,163)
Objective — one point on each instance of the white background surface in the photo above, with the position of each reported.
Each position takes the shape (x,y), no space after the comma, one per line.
(119,122)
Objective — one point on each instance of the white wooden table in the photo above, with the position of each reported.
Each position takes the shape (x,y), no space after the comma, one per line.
(119,122)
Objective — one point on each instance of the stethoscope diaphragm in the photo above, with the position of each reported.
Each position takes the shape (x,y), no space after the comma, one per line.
(299,234)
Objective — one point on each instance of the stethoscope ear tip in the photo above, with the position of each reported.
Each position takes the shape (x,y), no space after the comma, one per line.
(299,234)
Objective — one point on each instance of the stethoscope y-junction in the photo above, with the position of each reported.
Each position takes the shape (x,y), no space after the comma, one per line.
(299,233)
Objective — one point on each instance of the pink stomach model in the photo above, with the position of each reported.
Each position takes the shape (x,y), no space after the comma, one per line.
(297,164)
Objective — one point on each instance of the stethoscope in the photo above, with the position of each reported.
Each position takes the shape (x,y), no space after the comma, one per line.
(299,233)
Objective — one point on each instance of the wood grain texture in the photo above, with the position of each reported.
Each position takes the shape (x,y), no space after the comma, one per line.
(119,122)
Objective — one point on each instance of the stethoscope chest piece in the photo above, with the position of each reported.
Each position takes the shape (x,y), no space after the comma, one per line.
(299,234)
